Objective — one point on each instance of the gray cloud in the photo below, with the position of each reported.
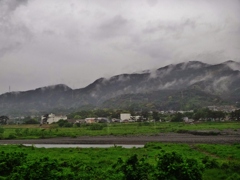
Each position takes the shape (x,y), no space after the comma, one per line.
(75,42)
(170,27)
(12,32)
(112,27)
(11,5)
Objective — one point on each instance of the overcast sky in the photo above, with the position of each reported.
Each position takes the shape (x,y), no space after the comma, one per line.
(74,42)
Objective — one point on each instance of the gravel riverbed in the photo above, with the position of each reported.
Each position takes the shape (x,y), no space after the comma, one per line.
(137,139)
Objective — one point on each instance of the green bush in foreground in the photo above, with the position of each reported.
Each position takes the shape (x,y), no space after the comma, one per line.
(8,161)
(169,166)
(43,169)
(174,166)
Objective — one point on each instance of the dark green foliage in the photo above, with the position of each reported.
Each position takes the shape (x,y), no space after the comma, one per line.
(134,169)
(165,99)
(210,163)
(95,113)
(96,126)
(206,114)
(177,117)
(174,166)
(8,161)
(170,166)
(3,119)
(235,115)
(234,176)
(64,123)
(26,132)
(31,121)
(1,132)
(144,124)
(18,131)
(43,169)
(11,136)
(155,116)
(151,163)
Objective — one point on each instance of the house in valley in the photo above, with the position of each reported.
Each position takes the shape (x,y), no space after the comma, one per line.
(90,120)
(124,117)
(51,118)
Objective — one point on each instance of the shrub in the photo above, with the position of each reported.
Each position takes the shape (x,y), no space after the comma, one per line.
(31,121)
(11,136)
(9,161)
(234,176)
(134,169)
(95,127)
(174,166)
(44,169)
(169,166)
(1,130)
(64,123)
(210,163)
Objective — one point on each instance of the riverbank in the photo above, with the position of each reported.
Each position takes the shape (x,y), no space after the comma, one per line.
(137,139)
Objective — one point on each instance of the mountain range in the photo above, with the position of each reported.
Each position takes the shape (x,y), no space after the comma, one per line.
(185,86)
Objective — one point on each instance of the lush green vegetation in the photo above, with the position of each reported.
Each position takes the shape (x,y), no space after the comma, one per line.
(154,161)
(136,128)
(165,99)
(202,113)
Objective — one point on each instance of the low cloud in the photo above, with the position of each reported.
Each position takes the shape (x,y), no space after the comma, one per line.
(75,42)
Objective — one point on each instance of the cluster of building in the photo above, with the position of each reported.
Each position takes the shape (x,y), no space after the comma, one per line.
(124,117)
(52,118)
(226,108)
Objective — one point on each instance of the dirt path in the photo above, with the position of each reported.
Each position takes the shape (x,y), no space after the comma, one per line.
(163,137)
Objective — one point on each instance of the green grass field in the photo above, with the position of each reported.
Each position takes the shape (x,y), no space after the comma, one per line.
(36,131)
(219,161)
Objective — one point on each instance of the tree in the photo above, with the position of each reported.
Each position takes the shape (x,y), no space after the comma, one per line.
(235,115)
(31,121)
(134,169)
(174,166)
(77,117)
(145,114)
(177,117)
(64,123)
(155,116)
(170,166)
(8,161)
(202,114)
(3,119)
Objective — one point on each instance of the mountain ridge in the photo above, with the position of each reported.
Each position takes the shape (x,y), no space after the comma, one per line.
(218,81)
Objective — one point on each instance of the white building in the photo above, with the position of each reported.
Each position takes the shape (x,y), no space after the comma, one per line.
(125,116)
(51,118)
(135,118)
(187,120)
(90,120)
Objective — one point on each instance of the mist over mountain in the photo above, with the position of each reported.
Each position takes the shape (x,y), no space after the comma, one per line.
(185,85)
